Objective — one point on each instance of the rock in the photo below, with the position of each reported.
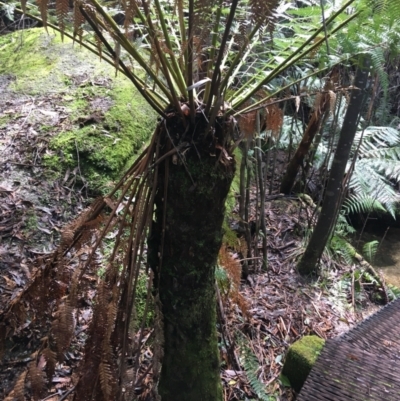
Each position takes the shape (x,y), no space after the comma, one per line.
(300,359)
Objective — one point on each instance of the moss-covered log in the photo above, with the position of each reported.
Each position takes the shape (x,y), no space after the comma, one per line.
(183,247)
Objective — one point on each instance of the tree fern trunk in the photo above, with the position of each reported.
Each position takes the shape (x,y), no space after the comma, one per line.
(190,209)
(331,203)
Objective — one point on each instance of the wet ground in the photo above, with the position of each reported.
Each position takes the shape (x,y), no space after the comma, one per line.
(387,258)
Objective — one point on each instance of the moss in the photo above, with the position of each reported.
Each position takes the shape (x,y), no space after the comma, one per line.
(4,120)
(106,147)
(235,187)
(31,48)
(300,359)
(230,237)
(107,119)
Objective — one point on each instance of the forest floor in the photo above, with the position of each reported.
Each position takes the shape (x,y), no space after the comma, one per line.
(281,307)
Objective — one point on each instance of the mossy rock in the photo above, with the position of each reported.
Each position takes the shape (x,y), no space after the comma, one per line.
(105,122)
(300,359)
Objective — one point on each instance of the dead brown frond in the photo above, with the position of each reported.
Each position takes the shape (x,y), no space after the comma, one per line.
(62,328)
(18,392)
(50,358)
(59,282)
(262,10)
(233,270)
(23,5)
(273,119)
(241,38)
(78,20)
(130,12)
(36,376)
(247,124)
(62,8)
(43,5)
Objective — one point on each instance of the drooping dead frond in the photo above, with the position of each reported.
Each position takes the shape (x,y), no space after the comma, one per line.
(23,5)
(36,376)
(18,392)
(234,271)
(50,358)
(43,5)
(261,10)
(273,119)
(62,8)
(62,329)
(78,20)
(130,12)
(247,124)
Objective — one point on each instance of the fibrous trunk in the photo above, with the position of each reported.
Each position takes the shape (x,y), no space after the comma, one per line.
(183,246)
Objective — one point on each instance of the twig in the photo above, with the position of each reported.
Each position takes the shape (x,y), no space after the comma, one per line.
(66,394)
(23,164)
(63,396)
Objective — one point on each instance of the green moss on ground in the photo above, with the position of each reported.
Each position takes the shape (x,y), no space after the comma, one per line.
(107,120)
(300,359)
(107,146)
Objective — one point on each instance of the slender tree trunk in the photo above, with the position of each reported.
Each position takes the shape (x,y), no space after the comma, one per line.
(296,162)
(330,206)
(261,186)
(320,109)
(189,215)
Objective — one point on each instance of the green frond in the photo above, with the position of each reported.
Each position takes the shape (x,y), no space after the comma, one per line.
(376,138)
(251,365)
(341,248)
(394,292)
(369,250)
(362,204)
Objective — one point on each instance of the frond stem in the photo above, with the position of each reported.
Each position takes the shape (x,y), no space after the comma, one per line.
(214,39)
(178,73)
(294,57)
(291,60)
(190,60)
(152,102)
(217,73)
(131,50)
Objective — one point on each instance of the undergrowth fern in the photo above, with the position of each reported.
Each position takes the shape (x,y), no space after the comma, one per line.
(377,168)
(369,250)
(251,365)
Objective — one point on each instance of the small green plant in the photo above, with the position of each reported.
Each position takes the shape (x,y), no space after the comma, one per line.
(251,365)
(31,223)
(369,250)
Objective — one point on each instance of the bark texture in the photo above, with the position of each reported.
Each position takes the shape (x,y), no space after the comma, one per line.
(191,212)
(331,203)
